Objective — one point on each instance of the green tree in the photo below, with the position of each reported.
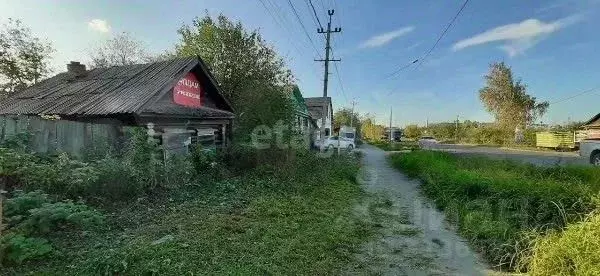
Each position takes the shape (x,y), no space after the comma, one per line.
(443,131)
(345,117)
(507,99)
(370,130)
(412,131)
(23,57)
(251,74)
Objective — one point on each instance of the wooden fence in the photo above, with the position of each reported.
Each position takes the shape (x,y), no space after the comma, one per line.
(49,136)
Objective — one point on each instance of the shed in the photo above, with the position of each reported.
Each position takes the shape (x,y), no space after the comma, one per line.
(175,100)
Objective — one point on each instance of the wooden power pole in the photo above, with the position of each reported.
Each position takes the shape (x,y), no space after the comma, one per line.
(391,138)
(352,114)
(327,50)
(456,136)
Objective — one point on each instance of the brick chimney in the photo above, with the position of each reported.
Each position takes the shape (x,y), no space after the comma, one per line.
(76,69)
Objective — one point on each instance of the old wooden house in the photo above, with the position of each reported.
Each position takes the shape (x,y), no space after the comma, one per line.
(592,127)
(178,101)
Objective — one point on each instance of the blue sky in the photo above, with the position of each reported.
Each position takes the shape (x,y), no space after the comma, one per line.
(551,44)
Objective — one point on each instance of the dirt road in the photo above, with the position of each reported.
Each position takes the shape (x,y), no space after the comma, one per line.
(414,238)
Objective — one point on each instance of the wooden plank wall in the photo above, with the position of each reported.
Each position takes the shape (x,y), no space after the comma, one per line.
(51,136)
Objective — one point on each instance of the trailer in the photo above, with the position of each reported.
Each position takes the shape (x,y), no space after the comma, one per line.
(555,139)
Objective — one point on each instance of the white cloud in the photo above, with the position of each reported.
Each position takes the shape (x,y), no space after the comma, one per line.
(385,38)
(99,25)
(517,37)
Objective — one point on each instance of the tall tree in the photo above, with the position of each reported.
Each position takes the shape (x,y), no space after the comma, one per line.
(251,74)
(412,131)
(23,57)
(507,99)
(370,130)
(122,49)
(345,117)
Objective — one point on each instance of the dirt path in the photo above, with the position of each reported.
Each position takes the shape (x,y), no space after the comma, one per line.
(414,238)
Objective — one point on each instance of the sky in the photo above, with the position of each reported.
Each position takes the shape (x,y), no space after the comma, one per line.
(551,46)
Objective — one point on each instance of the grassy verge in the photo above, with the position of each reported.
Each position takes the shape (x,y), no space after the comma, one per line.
(500,206)
(290,219)
(395,146)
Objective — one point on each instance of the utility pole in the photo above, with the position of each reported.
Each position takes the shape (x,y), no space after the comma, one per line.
(327,49)
(391,125)
(352,114)
(456,129)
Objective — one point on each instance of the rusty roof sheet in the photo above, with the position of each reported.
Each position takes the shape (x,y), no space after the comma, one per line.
(103,91)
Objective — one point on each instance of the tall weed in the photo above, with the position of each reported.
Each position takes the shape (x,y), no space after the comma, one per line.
(498,203)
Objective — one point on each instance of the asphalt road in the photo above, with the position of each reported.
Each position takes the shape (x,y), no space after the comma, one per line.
(541,158)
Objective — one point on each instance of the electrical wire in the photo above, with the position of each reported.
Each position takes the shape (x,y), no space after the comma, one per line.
(443,33)
(339,78)
(278,21)
(576,95)
(315,13)
(401,69)
(303,27)
(422,59)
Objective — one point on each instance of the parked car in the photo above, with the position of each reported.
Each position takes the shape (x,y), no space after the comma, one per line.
(334,142)
(427,142)
(590,149)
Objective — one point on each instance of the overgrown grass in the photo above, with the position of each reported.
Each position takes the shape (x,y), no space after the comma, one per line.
(395,146)
(575,251)
(500,206)
(291,218)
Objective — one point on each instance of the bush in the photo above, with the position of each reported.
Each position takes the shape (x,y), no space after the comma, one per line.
(18,141)
(115,180)
(35,213)
(139,170)
(17,207)
(205,162)
(62,175)
(59,215)
(16,248)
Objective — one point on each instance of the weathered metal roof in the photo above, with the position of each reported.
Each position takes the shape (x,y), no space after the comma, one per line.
(114,90)
(594,122)
(316,106)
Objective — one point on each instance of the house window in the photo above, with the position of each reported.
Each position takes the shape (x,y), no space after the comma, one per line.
(327,132)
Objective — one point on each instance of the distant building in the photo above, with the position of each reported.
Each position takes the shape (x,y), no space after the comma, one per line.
(395,132)
(177,101)
(592,127)
(304,122)
(321,111)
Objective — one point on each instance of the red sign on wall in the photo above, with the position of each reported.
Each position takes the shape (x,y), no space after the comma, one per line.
(188,91)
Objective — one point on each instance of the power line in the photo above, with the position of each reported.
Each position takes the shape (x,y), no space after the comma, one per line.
(339,78)
(443,33)
(422,59)
(315,13)
(285,27)
(576,95)
(402,69)
(303,27)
